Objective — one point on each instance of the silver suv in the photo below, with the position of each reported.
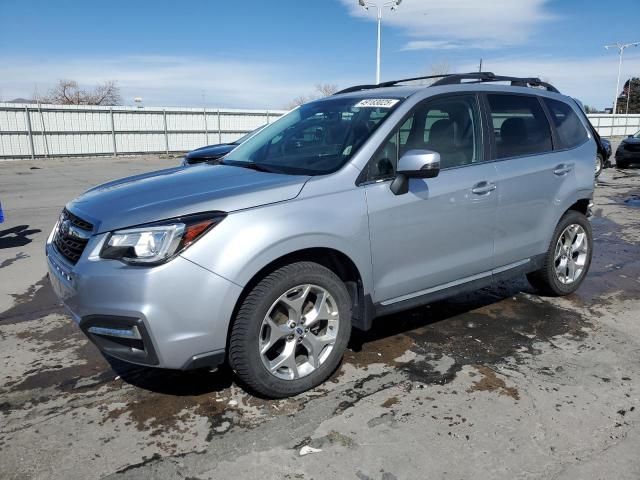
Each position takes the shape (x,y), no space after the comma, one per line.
(371,201)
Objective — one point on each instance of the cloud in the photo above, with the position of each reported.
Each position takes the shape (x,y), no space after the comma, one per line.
(452,24)
(165,80)
(446,45)
(432,45)
(592,80)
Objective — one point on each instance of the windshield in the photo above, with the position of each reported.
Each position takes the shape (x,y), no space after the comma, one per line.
(637,134)
(246,136)
(316,138)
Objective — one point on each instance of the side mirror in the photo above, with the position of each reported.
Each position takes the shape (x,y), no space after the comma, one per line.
(415,164)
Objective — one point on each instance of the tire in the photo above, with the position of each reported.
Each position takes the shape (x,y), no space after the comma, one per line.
(252,333)
(547,279)
(599,165)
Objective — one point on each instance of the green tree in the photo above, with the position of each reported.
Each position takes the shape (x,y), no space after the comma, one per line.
(631,91)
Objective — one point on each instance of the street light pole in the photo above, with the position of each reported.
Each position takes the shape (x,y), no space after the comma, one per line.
(365,4)
(378,45)
(621,47)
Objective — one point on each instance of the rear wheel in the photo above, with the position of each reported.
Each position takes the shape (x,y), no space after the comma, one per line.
(291,330)
(568,258)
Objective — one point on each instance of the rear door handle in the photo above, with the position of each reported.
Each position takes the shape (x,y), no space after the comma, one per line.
(562,169)
(483,188)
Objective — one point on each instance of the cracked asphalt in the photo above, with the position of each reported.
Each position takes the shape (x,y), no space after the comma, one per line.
(497,384)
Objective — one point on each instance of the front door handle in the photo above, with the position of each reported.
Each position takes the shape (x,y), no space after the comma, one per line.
(562,169)
(483,188)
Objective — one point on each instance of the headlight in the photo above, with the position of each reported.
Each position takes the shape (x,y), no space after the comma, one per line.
(158,242)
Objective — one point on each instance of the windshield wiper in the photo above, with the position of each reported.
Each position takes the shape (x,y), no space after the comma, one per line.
(214,161)
(252,165)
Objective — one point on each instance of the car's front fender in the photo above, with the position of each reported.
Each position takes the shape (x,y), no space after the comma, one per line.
(247,241)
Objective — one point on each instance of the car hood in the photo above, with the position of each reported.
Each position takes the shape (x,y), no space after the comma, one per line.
(631,141)
(182,191)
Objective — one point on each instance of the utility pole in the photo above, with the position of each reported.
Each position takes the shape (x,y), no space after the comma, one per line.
(480,67)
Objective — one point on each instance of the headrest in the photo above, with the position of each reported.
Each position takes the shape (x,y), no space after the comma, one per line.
(513,131)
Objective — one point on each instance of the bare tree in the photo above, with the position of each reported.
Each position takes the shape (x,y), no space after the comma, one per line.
(326,89)
(440,68)
(322,90)
(296,102)
(67,92)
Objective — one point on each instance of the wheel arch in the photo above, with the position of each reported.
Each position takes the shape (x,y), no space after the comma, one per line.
(335,260)
(580,203)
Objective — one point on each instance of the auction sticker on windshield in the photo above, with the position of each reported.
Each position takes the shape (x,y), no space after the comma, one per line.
(377,103)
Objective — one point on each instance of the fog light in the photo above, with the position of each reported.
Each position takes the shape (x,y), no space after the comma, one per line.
(131,333)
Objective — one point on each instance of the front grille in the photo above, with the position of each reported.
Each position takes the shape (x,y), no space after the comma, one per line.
(72,236)
(632,147)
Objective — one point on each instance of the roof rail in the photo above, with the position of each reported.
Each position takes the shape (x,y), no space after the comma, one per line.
(457,78)
(480,77)
(389,83)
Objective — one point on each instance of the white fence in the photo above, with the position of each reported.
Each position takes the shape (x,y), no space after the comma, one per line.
(29,131)
(608,125)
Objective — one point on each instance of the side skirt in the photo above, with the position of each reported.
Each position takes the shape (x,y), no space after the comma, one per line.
(499,274)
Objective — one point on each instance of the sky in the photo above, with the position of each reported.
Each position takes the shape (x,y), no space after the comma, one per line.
(264,53)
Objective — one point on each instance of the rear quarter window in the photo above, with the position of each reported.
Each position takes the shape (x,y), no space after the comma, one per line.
(570,130)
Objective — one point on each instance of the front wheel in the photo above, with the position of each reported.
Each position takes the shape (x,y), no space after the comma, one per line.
(599,165)
(568,258)
(291,330)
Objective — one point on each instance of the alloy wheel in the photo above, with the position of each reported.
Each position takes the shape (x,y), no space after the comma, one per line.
(571,252)
(299,332)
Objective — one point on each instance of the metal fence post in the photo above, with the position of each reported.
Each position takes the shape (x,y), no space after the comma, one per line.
(206,128)
(26,112)
(219,128)
(113,133)
(44,132)
(166,136)
(626,125)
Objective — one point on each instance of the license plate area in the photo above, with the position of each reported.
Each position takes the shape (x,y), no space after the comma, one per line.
(61,279)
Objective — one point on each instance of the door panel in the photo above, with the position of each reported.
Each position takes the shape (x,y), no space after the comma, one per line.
(530,175)
(437,233)
(528,195)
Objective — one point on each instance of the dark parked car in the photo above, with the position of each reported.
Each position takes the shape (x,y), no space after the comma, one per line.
(604,153)
(603,145)
(629,151)
(214,152)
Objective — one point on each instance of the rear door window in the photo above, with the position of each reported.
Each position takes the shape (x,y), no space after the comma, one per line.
(520,126)
(571,132)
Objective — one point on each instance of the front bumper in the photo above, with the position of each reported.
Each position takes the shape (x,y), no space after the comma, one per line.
(175,315)
(627,156)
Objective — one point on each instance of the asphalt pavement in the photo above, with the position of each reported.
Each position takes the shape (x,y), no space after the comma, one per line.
(498,384)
